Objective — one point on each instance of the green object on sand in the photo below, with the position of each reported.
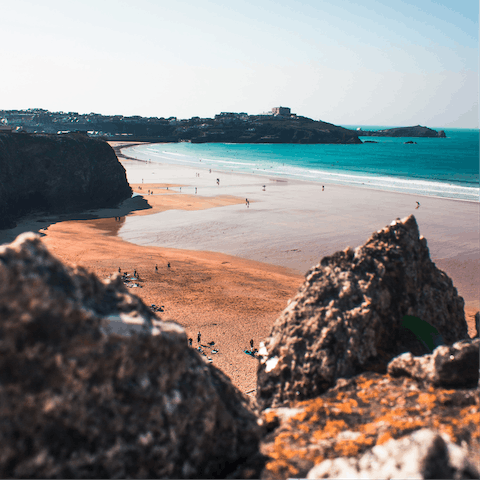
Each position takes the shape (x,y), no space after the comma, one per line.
(425,332)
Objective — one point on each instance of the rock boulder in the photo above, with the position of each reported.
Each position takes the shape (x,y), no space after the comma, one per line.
(422,454)
(348,316)
(453,366)
(93,385)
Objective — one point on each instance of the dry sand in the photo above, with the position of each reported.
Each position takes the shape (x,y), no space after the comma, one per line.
(228,299)
(233,267)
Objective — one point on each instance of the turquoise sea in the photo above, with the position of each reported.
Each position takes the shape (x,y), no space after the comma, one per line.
(440,167)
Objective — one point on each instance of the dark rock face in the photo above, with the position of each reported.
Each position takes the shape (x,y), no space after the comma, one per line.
(347,316)
(92,385)
(446,366)
(422,454)
(417,131)
(57,174)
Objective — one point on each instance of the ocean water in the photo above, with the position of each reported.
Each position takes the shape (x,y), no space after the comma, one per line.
(439,167)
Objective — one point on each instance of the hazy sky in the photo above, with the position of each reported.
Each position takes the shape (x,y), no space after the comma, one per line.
(367,63)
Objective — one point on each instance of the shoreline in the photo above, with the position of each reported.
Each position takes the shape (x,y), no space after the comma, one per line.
(355,184)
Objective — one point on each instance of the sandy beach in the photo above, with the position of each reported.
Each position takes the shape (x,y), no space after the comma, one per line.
(233,267)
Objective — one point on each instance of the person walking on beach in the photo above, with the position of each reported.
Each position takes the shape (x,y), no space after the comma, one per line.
(156,268)
(323,188)
(195,189)
(190,341)
(251,344)
(199,336)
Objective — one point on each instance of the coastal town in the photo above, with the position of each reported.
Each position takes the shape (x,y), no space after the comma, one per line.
(279,125)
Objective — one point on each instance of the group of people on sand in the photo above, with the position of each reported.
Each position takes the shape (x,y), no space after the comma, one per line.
(253,351)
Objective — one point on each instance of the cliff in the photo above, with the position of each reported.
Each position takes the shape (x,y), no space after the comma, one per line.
(417,131)
(57,174)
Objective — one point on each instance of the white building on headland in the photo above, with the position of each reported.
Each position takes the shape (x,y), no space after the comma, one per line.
(281,111)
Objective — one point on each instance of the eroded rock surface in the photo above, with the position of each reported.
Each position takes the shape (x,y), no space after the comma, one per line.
(365,411)
(423,454)
(92,385)
(447,366)
(347,317)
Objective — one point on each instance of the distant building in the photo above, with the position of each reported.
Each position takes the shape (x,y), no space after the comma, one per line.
(281,111)
(228,116)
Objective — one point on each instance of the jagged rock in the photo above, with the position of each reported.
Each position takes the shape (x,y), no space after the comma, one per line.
(423,454)
(92,385)
(57,174)
(347,316)
(446,366)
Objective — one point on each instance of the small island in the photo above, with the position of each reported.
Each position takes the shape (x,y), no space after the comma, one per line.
(417,131)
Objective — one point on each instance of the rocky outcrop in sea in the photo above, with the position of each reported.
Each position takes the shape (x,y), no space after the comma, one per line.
(416,131)
(67,173)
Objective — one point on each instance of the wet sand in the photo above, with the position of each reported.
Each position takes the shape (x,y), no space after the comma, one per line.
(294,224)
(232,267)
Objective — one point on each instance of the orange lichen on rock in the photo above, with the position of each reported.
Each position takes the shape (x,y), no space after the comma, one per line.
(349,420)
(331,429)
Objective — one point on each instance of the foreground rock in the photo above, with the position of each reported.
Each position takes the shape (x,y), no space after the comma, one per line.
(93,386)
(367,411)
(448,366)
(349,316)
(423,454)
(57,174)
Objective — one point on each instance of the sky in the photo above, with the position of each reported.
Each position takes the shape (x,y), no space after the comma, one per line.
(393,63)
